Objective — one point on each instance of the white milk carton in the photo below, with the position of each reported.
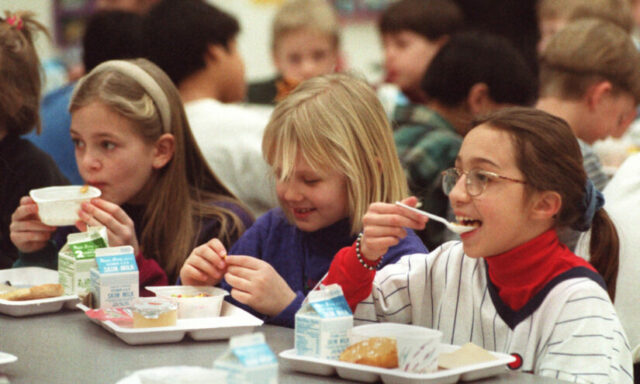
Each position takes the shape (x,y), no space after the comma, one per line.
(249,360)
(114,282)
(322,323)
(77,257)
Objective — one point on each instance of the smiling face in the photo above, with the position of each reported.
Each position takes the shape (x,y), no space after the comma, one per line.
(503,210)
(110,153)
(302,54)
(314,200)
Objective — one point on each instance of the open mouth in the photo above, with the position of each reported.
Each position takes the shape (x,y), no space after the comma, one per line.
(468,222)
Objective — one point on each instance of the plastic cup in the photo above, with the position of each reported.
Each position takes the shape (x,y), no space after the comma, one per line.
(190,305)
(418,347)
(59,206)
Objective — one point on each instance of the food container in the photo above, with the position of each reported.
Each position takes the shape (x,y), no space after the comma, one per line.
(59,206)
(418,347)
(193,301)
(154,312)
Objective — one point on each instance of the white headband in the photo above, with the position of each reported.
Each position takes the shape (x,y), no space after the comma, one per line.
(145,80)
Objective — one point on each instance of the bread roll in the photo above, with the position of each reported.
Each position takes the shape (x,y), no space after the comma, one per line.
(376,351)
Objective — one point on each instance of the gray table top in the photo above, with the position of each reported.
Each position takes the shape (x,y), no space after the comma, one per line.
(66,347)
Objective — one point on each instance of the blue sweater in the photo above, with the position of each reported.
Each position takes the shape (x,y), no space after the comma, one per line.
(303,258)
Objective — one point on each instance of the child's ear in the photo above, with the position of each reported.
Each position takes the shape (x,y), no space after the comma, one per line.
(164,148)
(597,93)
(478,99)
(213,52)
(546,205)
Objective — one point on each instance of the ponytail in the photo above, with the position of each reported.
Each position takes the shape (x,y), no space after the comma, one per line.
(604,248)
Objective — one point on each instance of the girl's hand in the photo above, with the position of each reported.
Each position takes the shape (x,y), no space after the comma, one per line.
(205,265)
(256,284)
(28,233)
(120,227)
(384,225)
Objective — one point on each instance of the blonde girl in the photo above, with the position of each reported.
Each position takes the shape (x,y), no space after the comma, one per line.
(133,142)
(22,165)
(330,146)
(509,285)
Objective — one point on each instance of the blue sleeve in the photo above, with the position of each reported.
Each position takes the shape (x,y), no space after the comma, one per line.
(408,246)
(286,318)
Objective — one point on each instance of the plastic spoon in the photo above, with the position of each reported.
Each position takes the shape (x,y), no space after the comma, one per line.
(457,228)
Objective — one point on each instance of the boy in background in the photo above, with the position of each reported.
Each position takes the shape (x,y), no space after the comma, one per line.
(305,44)
(195,44)
(473,74)
(412,33)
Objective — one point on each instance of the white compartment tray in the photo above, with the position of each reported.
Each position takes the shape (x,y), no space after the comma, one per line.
(232,321)
(363,373)
(27,277)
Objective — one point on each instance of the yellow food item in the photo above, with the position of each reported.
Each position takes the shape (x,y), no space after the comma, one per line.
(376,351)
(467,354)
(154,312)
(84,188)
(37,292)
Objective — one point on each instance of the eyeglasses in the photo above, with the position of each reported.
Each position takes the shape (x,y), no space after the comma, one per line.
(475,183)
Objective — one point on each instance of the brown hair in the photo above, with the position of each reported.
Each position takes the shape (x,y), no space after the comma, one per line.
(431,19)
(585,52)
(20,74)
(183,191)
(549,157)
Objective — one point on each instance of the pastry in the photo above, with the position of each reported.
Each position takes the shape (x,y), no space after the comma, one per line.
(376,351)
(37,292)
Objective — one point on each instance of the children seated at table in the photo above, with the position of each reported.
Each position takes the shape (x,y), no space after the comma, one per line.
(329,167)
(205,65)
(133,142)
(472,74)
(305,42)
(509,285)
(22,165)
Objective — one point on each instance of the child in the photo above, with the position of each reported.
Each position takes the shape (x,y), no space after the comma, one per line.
(158,194)
(472,74)
(412,33)
(305,43)
(205,65)
(329,168)
(553,15)
(509,285)
(22,165)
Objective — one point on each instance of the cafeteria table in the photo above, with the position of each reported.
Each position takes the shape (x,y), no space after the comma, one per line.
(66,347)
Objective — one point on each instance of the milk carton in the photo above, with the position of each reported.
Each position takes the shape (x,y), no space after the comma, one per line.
(322,324)
(114,283)
(77,257)
(249,360)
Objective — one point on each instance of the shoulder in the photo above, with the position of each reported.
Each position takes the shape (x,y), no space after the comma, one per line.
(34,163)
(238,210)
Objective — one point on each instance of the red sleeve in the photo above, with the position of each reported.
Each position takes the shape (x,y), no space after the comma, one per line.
(150,274)
(356,281)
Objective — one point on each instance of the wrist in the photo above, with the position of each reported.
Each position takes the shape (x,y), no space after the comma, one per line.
(369,264)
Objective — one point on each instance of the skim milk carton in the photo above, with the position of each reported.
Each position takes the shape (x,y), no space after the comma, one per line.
(322,323)
(249,360)
(114,282)
(77,257)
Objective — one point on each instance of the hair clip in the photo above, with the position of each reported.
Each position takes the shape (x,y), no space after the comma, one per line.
(15,21)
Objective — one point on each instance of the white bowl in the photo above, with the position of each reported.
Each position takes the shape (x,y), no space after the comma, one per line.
(59,206)
(193,307)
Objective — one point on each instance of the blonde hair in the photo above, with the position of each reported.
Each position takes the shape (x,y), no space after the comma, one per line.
(20,73)
(312,15)
(615,11)
(585,52)
(336,122)
(183,191)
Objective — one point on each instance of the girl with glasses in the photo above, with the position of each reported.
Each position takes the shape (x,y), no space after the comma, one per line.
(509,285)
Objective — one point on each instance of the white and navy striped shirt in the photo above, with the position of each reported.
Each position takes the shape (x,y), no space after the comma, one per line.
(568,330)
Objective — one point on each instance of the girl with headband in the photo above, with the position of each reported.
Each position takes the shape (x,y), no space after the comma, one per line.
(509,285)
(133,142)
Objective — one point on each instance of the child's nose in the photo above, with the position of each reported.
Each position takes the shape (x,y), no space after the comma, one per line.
(291,193)
(459,192)
(89,161)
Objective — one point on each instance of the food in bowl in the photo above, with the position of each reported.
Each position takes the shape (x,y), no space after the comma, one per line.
(59,206)
(376,351)
(193,301)
(154,312)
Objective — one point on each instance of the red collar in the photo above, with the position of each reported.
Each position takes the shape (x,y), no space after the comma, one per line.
(522,272)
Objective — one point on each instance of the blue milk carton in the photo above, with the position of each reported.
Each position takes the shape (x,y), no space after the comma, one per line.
(322,323)
(114,283)
(249,360)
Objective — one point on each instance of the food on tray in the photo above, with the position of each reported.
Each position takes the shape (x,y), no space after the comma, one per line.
(154,312)
(84,188)
(467,354)
(37,292)
(185,296)
(376,351)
